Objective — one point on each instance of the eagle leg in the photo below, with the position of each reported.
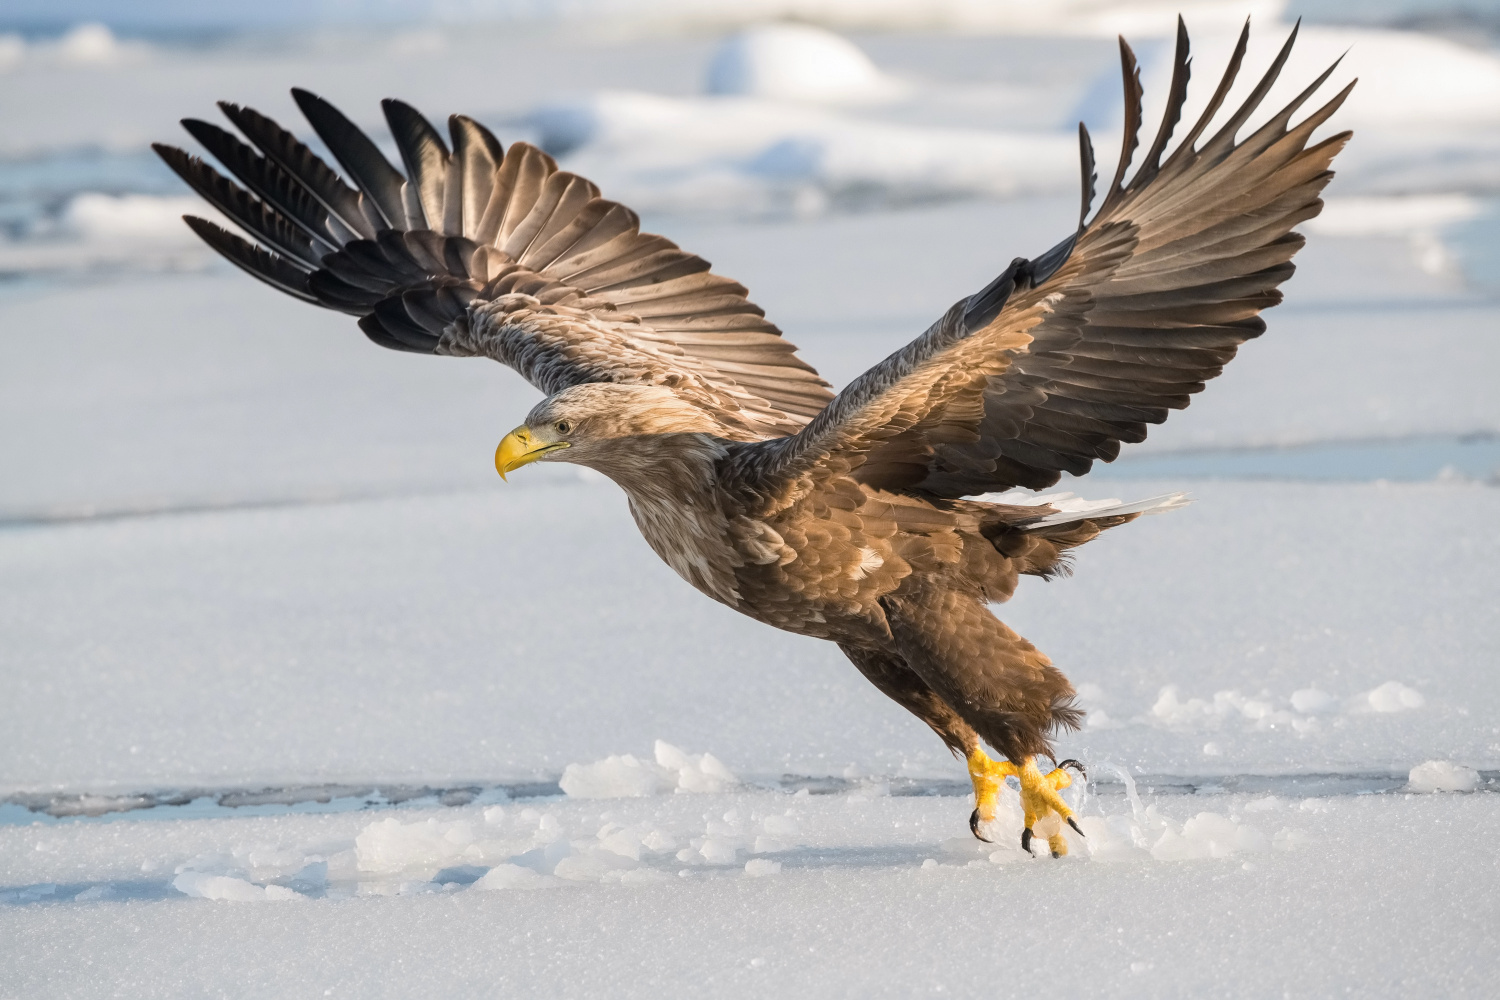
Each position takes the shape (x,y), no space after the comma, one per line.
(988,777)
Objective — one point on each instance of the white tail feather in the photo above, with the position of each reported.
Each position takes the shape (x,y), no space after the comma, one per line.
(1070,508)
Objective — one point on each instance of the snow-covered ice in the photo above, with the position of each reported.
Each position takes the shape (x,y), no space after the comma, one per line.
(873,897)
(271,631)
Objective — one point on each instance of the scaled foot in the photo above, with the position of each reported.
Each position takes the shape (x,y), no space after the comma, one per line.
(1045,811)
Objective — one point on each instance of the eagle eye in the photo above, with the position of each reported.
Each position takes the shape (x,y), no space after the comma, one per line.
(564,426)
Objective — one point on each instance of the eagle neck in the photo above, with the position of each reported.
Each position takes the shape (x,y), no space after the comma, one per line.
(670,482)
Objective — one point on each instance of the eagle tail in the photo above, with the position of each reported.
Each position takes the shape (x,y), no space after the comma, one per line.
(1039,543)
(1071,510)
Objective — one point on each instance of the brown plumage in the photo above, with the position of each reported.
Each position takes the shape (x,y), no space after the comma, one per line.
(840,517)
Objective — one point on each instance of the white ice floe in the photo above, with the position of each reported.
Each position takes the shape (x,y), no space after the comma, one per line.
(796,62)
(1442,776)
(625,775)
(1265,710)
(88,45)
(390,845)
(133,217)
(749,156)
(98,231)
(234,890)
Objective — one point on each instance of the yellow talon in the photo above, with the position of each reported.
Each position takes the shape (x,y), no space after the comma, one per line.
(1044,809)
(987,776)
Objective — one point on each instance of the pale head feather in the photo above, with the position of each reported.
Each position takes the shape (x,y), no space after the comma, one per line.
(627,432)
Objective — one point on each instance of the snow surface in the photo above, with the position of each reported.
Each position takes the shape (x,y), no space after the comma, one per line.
(242,551)
(874,897)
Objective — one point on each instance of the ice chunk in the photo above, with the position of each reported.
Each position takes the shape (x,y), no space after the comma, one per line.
(1208,835)
(1111,838)
(719,851)
(619,776)
(1393,696)
(1311,701)
(590,867)
(695,772)
(508,876)
(628,776)
(226,887)
(1442,776)
(388,845)
(758,867)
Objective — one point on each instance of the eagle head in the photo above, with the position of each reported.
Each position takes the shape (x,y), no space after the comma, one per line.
(601,425)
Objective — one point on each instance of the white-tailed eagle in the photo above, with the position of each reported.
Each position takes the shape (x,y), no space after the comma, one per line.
(847,516)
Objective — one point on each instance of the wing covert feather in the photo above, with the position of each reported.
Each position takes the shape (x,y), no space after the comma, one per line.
(480,250)
(1156,295)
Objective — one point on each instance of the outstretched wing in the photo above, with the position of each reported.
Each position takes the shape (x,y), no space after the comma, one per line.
(581,294)
(1061,359)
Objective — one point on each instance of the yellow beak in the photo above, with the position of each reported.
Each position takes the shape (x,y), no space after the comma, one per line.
(519,448)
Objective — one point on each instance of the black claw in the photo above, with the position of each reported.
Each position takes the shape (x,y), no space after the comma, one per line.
(1075,765)
(1075,827)
(1026,840)
(1056,855)
(974,827)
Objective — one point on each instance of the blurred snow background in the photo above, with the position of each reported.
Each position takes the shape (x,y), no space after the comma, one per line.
(255,567)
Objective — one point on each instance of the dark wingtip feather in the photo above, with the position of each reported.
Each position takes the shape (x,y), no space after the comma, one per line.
(1224,138)
(339,200)
(425,155)
(1172,114)
(255,217)
(1086,164)
(366,165)
(268,267)
(1130,71)
(273,185)
(1231,71)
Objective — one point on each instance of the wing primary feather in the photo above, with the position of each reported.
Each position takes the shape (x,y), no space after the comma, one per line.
(267,180)
(306,167)
(1276,128)
(268,267)
(480,152)
(1224,138)
(374,174)
(1185,149)
(1176,97)
(425,156)
(1131,74)
(1086,166)
(254,217)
